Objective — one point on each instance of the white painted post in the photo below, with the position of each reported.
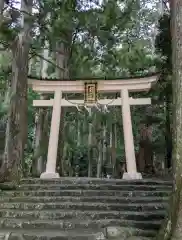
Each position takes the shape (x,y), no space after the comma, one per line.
(53,138)
(128,138)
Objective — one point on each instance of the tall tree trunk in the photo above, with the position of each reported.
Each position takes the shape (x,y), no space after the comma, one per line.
(104,143)
(41,141)
(78,132)
(145,154)
(2,2)
(168,135)
(172,226)
(61,149)
(113,145)
(41,137)
(1,10)
(2,140)
(16,132)
(61,73)
(30,67)
(102,151)
(90,160)
(99,161)
(110,140)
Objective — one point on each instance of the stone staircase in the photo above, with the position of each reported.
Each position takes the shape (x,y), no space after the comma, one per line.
(83,209)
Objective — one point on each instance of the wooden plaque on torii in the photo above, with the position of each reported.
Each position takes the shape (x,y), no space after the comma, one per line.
(90,93)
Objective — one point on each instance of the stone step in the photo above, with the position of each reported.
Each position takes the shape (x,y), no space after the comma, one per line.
(103,199)
(50,235)
(84,215)
(86,206)
(100,187)
(74,224)
(88,193)
(73,180)
(123,233)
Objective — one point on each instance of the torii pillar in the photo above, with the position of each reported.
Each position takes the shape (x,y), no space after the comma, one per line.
(53,139)
(128,139)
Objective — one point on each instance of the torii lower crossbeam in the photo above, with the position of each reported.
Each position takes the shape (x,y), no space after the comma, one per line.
(74,103)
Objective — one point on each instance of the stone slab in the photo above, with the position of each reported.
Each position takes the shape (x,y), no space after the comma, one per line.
(97,206)
(132,176)
(88,192)
(85,180)
(101,187)
(83,215)
(49,175)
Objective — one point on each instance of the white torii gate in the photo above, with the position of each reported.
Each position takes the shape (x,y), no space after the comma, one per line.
(122,86)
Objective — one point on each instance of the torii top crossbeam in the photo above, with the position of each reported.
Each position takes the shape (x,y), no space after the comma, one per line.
(136,84)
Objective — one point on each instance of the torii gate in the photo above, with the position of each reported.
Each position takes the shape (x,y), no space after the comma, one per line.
(124,86)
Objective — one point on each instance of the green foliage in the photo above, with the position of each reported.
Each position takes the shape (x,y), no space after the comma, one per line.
(163,42)
(164,90)
(164,48)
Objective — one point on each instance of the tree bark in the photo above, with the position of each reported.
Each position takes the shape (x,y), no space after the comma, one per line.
(61,73)
(41,125)
(145,154)
(99,161)
(168,136)
(1,9)
(78,133)
(90,160)
(104,144)
(16,132)
(172,226)
(113,145)
(41,142)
